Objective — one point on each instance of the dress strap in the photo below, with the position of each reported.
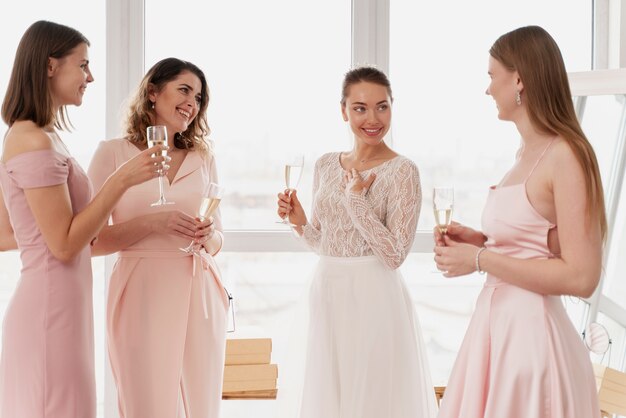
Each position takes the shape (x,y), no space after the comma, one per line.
(538,160)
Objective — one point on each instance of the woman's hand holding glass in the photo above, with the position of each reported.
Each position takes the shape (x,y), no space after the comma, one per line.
(458,233)
(289,207)
(146,165)
(293,173)
(178,224)
(157,135)
(455,251)
(209,201)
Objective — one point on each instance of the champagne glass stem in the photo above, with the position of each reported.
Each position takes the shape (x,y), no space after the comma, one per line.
(161,194)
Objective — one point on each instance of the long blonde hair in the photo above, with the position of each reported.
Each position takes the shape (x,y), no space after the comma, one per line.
(536,57)
(141,114)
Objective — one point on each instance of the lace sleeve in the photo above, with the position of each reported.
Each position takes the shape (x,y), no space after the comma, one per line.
(392,240)
(312,231)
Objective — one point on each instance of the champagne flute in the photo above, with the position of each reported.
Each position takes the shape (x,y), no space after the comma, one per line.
(293,173)
(211,198)
(157,135)
(443,203)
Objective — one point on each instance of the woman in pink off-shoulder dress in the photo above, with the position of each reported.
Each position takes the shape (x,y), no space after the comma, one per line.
(47,365)
(543,231)
(166,309)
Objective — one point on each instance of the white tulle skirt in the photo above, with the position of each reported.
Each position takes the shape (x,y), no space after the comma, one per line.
(365,357)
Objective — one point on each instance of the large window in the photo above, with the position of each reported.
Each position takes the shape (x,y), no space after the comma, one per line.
(438,67)
(274,70)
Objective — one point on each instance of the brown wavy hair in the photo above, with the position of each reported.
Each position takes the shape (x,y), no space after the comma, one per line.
(536,57)
(141,115)
(28,94)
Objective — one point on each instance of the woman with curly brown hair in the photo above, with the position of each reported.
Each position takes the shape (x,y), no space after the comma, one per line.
(166,309)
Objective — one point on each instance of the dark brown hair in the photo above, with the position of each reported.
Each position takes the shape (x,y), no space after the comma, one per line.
(536,57)
(141,114)
(28,94)
(364,74)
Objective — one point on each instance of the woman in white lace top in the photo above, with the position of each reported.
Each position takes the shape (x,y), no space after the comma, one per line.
(365,356)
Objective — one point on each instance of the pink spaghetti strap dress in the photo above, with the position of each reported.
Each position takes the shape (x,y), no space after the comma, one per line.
(521,356)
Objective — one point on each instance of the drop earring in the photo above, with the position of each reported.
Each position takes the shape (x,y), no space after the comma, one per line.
(518,98)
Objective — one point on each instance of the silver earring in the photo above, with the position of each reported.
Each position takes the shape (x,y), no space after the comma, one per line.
(152,106)
(518,98)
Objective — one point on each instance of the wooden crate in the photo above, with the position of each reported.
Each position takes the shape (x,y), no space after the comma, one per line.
(611,386)
(439,390)
(261,394)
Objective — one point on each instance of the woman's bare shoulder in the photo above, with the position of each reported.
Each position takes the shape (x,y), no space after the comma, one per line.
(25,136)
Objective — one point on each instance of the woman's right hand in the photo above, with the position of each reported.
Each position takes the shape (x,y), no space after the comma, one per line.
(289,205)
(143,167)
(175,223)
(461,234)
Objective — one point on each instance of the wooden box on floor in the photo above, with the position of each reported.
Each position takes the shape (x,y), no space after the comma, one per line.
(248,373)
(611,389)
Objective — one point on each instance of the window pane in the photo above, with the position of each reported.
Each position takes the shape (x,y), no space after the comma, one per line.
(617,334)
(274,70)
(438,69)
(615,269)
(601,123)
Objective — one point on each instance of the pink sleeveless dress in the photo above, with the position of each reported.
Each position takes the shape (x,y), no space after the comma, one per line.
(47,365)
(521,356)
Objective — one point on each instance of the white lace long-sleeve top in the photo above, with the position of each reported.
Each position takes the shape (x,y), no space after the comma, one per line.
(381,222)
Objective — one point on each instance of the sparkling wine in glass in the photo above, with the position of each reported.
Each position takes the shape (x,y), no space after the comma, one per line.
(443,204)
(157,135)
(293,173)
(211,198)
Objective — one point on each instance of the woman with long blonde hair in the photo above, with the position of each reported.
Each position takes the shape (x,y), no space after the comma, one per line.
(542,236)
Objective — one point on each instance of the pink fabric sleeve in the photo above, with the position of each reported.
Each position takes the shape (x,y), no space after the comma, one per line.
(103,164)
(217,215)
(35,169)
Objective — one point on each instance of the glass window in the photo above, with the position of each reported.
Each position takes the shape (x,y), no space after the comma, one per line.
(266,304)
(275,71)
(601,123)
(438,69)
(615,270)
(617,334)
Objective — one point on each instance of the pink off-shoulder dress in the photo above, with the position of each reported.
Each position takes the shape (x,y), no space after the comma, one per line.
(47,365)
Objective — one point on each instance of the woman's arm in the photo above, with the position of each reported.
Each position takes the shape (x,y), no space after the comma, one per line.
(65,233)
(289,205)
(7,238)
(391,241)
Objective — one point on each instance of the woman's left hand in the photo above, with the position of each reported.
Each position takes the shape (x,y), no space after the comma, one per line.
(455,258)
(356,184)
(206,230)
